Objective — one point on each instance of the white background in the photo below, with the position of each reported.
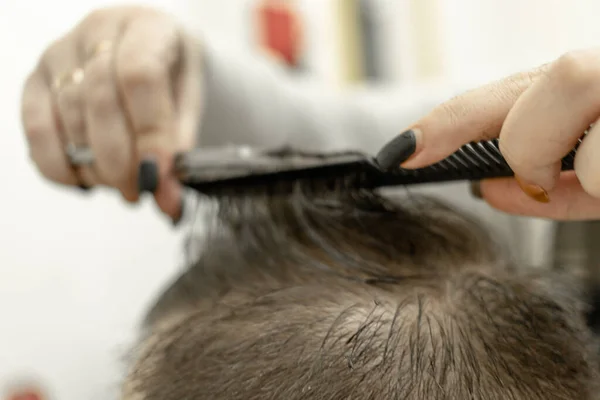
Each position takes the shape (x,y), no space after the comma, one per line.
(76,271)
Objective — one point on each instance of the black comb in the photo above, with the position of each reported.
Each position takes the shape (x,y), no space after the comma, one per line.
(240,170)
(244,170)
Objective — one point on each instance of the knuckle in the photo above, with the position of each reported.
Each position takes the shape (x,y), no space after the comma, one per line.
(134,73)
(577,69)
(512,87)
(450,111)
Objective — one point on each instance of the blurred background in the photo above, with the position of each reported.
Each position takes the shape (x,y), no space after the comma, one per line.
(77,271)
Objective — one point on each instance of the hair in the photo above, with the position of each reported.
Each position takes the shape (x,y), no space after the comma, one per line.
(356,295)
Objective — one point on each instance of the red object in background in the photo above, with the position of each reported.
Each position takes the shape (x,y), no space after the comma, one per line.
(26,395)
(279,26)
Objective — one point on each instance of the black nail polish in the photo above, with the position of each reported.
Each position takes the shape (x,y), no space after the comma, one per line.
(148,176)
(397,150)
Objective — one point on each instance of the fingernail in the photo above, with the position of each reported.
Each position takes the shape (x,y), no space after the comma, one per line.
(476,189)
(178,219)
(536,192)
(398,150)
(148,176)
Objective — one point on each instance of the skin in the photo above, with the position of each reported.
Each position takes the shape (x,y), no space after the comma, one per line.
(136,95)
(538,116)
(129,88)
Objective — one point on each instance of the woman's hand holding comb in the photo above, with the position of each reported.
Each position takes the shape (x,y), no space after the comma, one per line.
(122,91)
(538,116)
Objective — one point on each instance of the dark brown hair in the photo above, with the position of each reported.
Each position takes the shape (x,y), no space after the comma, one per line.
(359,296)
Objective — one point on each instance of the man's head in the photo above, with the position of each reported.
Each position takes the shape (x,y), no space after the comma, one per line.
(356,296)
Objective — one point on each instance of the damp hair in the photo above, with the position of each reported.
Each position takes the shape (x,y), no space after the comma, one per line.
(358,295)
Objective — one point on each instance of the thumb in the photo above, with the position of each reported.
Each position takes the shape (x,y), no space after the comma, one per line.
(569,200)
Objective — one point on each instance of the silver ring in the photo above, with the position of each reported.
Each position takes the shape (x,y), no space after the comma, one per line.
(79,155)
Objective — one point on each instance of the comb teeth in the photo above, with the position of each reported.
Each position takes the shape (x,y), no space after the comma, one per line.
(289,171)
(473,161)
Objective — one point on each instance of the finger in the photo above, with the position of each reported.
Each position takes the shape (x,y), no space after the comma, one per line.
(169,198)
(107,126)
(42,131)
(69,105)
(569,200)
(147,59)
(188,94)
(587,162)
(474,115)
(549,118)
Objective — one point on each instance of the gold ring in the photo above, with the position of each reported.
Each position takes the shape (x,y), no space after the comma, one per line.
(74,77)
(104,46)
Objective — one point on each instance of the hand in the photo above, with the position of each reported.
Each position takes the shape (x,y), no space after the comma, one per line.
(125,83)
(538,116)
